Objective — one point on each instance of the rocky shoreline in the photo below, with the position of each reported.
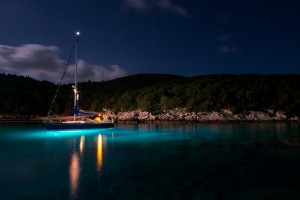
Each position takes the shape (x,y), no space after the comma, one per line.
(180,116)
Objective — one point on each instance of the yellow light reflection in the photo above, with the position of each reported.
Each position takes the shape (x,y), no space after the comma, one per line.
(99,152)
(74,174)
(81,145)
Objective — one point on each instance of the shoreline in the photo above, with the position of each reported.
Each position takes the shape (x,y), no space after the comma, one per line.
(181,116)
(175,116)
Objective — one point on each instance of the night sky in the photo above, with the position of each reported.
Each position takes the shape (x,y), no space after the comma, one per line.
(124,37)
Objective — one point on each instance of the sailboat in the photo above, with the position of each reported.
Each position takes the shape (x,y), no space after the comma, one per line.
(78,122)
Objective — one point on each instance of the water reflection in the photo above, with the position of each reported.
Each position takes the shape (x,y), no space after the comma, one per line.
(81,145)
(99,152)
(252,157)
(76,161)
(74,174)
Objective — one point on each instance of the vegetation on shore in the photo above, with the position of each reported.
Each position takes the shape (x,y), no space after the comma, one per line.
(155,93)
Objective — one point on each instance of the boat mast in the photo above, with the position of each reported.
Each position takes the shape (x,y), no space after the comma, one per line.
(75,86)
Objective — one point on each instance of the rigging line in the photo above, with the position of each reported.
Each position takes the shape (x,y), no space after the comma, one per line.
(60,83)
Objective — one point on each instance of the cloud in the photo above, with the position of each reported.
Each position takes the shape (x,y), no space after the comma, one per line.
(165,5)
(140,5)
(92,72)
(227,49)
(225,18)
(223,37)
(43,63)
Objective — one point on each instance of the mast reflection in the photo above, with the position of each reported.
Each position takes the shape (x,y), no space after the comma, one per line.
(81,145)
(76,158)
(74,173)
(99,152)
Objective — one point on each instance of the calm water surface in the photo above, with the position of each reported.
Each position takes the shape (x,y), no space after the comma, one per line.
(216,161)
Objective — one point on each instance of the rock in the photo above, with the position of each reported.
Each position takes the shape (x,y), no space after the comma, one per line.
(227,112)
(127,116)
(143,116)
(295,118)
(280,116)
(191,116)
(180,114)
(152,117)
(258,116)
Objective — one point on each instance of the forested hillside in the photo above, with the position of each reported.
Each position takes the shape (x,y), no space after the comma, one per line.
(155,93)
(24,95)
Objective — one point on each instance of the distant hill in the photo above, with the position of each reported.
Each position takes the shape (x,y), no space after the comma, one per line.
(24,95)
(155,93)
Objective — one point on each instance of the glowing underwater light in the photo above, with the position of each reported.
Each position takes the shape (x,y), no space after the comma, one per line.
(62,133)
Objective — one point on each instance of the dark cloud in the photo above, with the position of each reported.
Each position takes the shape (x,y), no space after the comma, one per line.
(92,72)
(27,56)
(42,63)
(165,5)
(140,5)
(227,49)
(223,37)
(225,18)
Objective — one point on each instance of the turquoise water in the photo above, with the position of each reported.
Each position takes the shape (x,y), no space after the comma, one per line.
(211,161)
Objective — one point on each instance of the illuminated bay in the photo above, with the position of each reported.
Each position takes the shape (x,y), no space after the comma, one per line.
(201,161)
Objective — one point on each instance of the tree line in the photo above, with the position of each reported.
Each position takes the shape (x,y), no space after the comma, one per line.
(155,93)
